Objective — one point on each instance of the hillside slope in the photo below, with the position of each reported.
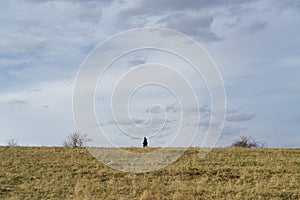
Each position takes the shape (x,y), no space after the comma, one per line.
(226,173)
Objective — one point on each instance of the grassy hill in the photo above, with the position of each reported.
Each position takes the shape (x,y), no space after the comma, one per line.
(226,173)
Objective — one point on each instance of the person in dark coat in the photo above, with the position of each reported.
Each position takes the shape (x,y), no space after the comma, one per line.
(145,142)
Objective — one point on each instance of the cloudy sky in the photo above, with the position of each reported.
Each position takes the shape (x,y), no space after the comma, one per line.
(255,44)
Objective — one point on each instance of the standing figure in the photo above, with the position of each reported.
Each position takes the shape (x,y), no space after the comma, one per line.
(145,142)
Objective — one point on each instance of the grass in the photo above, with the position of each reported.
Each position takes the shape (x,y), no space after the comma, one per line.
(226,173)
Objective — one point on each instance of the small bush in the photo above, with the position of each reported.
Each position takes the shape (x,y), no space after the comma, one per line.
(76,139)
(12,142)
(247,142)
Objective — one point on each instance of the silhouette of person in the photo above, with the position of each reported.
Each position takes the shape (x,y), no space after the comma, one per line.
(145,142)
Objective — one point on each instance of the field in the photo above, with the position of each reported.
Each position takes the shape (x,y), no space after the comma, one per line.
(226,173)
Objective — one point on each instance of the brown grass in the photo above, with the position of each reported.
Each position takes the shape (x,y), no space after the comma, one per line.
(226,173)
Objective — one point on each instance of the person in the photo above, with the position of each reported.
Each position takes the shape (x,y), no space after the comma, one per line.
(145,142)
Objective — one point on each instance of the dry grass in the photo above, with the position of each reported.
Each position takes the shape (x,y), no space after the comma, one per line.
(226,173)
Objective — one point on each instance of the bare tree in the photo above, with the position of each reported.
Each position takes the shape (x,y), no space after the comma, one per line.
(12,142)
(247,142)
(76,139)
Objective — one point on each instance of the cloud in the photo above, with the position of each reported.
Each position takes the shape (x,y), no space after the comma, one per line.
(232,116)
(155,109)
(197,26)
(194,25)
(139,121)
(233,130)
(46,40)
(192,17)
(16,101)
(173,108)
(204,111)
(292,4)
(46,106)
(253,26)
(59,25)
(137,61)
(126,122)
(236,116)
(156,7)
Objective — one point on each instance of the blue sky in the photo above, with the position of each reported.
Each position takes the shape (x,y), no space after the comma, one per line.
(255,44)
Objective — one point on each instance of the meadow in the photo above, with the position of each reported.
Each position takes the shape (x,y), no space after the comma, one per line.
(225,173)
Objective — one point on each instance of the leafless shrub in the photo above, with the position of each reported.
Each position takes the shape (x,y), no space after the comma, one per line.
(76,139)
(12,142)
(247,142)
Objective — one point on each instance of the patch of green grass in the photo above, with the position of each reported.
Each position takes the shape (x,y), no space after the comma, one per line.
(225,173)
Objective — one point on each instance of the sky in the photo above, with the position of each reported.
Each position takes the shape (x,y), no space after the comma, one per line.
(254,43)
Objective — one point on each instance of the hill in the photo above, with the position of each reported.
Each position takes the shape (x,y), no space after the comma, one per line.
(226,173)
